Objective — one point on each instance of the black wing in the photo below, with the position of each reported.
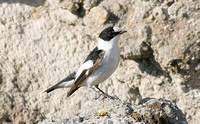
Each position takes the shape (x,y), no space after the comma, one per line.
(97,57)
(94,55)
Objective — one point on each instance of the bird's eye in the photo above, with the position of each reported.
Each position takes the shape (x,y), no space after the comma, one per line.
(110,33)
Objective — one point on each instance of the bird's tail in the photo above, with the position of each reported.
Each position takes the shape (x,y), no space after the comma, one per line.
(52,88)
(61,84)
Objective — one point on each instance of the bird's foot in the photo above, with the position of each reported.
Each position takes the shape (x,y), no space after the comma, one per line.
(105,95)
(108,96)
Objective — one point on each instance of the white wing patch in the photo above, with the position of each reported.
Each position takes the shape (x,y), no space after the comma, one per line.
(116,29)
(67,83)
(85,66)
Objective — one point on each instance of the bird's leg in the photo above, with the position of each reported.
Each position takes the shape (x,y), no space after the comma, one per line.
(97,86)
(99,94)
(105,94)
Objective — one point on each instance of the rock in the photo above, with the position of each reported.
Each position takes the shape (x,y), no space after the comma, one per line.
(15,110)
(161,111)
(148,111)
(70,5)
(160,14)
(42,42)
(69,19)
(88,4)
(169,42)
(97,15)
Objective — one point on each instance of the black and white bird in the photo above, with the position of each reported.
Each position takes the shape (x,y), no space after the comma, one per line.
(98,66)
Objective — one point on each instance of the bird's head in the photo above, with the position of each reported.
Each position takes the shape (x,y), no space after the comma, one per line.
(111,33)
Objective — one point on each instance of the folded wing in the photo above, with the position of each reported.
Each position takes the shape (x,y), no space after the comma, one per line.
(96,57)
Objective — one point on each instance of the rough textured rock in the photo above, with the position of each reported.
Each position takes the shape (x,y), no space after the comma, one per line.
(97,15)
(169,32)
(116,111)
(42,41)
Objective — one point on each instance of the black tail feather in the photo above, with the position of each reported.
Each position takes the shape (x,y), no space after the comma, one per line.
(51,89)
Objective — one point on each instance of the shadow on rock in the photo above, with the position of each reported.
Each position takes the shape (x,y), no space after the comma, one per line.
(147,62)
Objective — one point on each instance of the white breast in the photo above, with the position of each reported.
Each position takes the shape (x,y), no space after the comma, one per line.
(108,65)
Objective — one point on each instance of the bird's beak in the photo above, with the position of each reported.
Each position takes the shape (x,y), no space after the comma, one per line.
(121,32)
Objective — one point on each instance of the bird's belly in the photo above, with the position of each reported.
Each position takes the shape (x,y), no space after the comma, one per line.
(107,68)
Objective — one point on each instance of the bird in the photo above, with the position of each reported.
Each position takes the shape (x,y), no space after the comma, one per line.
(99,65)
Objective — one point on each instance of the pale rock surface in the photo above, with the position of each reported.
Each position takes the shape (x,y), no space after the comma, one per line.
(42,42)
(116,111)
(97,15)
